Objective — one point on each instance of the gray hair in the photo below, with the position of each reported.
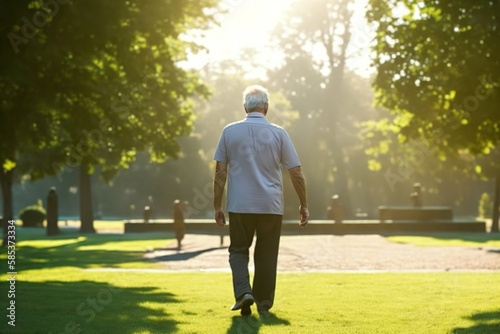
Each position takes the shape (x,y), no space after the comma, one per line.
(255,97)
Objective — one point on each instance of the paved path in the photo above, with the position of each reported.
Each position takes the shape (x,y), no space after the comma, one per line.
(328,253)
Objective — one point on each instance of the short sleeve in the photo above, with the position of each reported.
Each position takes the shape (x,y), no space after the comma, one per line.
(221,152)
(289,157)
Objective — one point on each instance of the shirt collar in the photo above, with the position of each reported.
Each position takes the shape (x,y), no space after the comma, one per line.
(255,114)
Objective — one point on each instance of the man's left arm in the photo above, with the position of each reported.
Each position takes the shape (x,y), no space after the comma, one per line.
(219,184)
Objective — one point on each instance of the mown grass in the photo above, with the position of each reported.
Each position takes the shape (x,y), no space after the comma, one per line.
(71,249)
(451,239)
(53,300)
(61,289)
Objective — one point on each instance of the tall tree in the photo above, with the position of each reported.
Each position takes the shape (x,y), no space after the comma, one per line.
(110,74)
(24,123)
(314,40)
(438,64)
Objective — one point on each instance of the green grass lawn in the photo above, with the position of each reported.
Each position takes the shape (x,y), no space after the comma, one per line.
(59,289)
(100,225)
(451,239)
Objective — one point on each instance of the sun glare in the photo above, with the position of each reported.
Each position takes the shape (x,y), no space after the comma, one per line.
(248,26)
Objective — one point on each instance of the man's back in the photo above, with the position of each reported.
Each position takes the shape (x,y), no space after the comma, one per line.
(255,150)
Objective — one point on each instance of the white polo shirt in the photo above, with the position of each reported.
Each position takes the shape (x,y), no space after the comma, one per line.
(255,150)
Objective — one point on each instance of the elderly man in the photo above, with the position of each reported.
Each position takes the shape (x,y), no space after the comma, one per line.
(250,155)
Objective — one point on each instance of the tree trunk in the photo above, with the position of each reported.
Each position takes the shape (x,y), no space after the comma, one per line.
(6,178)
(496,206)
(334,95)
(340,182)
(86,212)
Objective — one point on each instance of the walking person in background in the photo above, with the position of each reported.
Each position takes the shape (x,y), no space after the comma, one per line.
(250,155)
(179,226)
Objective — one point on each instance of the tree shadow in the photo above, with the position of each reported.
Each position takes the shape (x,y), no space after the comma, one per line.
(88,307)
(182,256)
(485,323)
(74,254)
(252,324)
(33,233)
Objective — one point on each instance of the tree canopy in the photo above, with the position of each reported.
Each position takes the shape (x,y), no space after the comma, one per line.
(314,38)
(438,68)
(105,79)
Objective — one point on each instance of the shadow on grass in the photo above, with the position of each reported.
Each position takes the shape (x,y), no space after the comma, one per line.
(485,323)
(252,324)
(38,233)
(89,307)
(182,256)
(72,254)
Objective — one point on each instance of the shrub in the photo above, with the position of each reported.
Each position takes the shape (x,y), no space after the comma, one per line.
(485,206)
(33,215)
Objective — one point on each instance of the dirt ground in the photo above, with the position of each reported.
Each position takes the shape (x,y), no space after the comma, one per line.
(330,253)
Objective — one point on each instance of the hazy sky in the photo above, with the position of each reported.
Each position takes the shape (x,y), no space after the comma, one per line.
(249,23)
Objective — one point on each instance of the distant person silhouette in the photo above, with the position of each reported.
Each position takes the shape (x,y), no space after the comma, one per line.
(416,195)
(179,226)
(52,212)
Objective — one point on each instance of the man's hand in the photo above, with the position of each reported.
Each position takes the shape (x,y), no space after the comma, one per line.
(220,218)
(304,216)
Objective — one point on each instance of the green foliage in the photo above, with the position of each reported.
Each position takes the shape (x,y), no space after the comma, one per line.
(438,61)
(128,93)
(104,82)
(33,215)
(485,206)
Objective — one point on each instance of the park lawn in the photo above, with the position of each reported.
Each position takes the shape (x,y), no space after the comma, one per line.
(34,250)
(106,226)
(450,239)
(57,300)
(111,225)
(59,286)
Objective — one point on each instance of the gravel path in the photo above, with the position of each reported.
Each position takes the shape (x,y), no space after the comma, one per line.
(358,253)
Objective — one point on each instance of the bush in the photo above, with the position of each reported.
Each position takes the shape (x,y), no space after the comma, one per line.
(485,206)
(33,215)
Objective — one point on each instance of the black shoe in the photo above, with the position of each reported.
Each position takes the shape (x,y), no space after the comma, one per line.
(245,311)
(245,301)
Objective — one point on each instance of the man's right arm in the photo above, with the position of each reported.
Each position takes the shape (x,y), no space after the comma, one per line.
(299,183)
(219,184)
